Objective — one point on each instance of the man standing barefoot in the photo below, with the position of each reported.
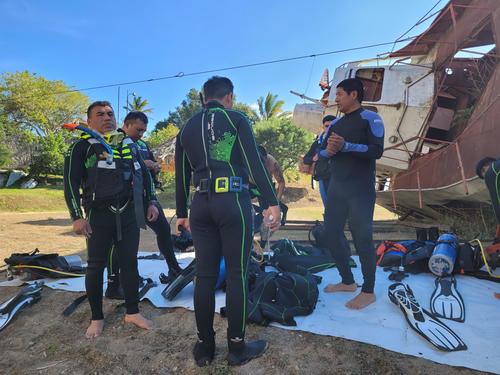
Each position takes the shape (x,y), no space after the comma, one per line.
(354,142)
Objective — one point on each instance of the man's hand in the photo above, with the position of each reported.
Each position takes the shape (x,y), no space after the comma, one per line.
(315,157)
(152,213)
(335,143)
(272,218)
(82,227)
(182,222)
(152,166)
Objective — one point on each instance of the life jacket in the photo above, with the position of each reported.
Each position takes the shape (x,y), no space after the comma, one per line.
(107,183)
(390,253)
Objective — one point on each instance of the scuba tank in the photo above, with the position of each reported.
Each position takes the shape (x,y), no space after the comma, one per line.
(444,255)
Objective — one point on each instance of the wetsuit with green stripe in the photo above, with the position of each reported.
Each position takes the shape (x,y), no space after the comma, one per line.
(492,180)
(106,187)
(219,142)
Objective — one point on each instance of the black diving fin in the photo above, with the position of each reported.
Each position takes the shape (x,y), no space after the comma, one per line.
(29,295)
(180,282)
(446,301)
(423,322)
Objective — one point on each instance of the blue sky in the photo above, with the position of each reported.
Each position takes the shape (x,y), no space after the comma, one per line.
(91,43)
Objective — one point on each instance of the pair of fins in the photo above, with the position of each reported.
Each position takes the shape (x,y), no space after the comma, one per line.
(29,295)
(424,322)
(446,302)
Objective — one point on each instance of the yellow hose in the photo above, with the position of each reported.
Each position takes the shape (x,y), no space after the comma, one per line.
(51,270)
(484,258)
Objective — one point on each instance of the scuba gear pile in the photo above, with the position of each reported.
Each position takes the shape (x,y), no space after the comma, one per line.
(36,265)
(292,257)
(186,276)
(29,295)
(182,241)
(446,302)
(422,321)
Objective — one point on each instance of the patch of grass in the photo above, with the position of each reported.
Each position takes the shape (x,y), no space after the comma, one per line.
(49,198)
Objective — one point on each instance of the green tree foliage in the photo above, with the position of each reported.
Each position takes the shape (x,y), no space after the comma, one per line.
(283,140)
(32,112)
(270,107)
(192,105)
(5,155)
(187,109)
(50,156)
(32,103)
(163,135)
(138,104)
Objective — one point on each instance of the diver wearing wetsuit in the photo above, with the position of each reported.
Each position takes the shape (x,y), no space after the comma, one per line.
(355,141)
(217,148)
(135,125)
(112,197)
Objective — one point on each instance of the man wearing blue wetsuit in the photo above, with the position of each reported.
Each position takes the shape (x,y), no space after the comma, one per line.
(354,142)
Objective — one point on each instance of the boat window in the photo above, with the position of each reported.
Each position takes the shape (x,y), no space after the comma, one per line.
(373,79)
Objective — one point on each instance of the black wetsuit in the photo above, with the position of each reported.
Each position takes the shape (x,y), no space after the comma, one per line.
(160,226)
(214,145)
(106,187)
(492,180)
(351,191)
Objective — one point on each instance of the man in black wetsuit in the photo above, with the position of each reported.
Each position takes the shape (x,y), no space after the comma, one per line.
(135,125)
(113,190)
(354,142)
(217,149)
(489,170)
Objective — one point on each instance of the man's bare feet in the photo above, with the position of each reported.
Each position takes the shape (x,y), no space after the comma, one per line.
(95,329)
(139,321)
(333,288)
(361,301)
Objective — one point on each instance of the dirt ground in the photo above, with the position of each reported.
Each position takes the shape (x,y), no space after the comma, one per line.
(41,341)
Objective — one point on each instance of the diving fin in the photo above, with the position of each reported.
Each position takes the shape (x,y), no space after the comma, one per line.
(183,279)
(27,296)
(423,322)
(446,301)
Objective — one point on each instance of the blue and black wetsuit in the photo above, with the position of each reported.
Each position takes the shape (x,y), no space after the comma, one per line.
(351,191)
(216,149)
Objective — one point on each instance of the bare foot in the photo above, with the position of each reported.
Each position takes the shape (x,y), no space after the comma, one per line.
(497,295)
(95,329)
(333,288)
(361,301)
(139,321)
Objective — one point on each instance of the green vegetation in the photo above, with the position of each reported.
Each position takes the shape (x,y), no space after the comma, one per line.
(32,200)
(138,104)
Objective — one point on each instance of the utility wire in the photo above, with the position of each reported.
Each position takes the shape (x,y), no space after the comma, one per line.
(182,74)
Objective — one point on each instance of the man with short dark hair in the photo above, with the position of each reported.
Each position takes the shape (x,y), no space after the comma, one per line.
(354,142)
(135,125)
(321,171)
(114,182)
(217,149)
(488,169)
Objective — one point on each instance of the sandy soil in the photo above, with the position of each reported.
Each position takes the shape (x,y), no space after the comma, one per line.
(41,341)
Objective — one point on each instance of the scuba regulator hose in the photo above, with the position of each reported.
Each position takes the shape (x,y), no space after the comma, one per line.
(97,136)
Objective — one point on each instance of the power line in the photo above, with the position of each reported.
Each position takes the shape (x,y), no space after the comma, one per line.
(251,65)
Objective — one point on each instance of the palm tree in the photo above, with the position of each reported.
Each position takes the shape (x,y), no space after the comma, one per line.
(138,104)
(270,107)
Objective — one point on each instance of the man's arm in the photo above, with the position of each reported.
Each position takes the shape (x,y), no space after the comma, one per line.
(183,173)
(256,168)
(375,147)
(74,164)
(275,171)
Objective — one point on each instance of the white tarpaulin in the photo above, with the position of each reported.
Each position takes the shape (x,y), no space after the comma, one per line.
(381,324)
